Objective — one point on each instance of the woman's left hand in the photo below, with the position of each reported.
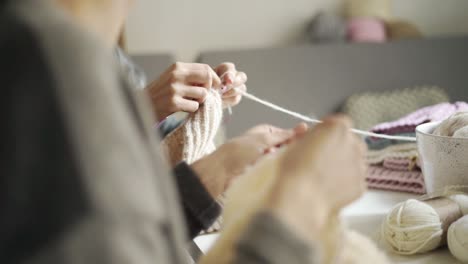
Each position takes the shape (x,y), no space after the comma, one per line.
(234,81)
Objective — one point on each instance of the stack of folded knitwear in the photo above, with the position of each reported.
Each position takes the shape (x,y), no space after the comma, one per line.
(394,165)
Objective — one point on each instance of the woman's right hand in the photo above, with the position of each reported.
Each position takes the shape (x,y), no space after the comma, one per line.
(319,175)
(182,87)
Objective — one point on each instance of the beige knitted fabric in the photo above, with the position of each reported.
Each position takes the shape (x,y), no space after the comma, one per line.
(195,137)
(372,108)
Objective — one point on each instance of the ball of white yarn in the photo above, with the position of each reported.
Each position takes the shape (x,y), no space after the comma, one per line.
(412,227)
(462,201)
(457,239)
(454,126)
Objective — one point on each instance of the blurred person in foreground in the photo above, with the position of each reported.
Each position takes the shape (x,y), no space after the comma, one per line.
(82,180)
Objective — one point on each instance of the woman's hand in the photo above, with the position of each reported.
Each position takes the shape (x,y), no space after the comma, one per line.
(319,175)
(182,87)
(234,83)
(217,170)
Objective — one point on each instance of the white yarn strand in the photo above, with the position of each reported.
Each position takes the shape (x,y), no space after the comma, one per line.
(315,121)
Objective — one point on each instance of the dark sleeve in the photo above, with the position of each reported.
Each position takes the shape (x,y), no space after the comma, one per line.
(37,164)
(267,240)
(200,209)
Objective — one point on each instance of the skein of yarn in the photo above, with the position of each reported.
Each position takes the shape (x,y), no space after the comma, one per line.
(367,29)
(368,8)
(398,29)
(326,27)
(458,239)
(417,227)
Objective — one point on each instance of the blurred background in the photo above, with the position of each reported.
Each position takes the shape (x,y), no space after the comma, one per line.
(375,60)
(187,27)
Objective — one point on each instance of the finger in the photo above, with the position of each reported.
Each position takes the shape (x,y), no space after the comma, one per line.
(339,120)
(301,129)
(195,74)
(187,105)
(337,125)
(275,136)
(193,92)
(241,78)
(228,72)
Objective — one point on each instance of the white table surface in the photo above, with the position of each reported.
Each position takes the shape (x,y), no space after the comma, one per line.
(365,216)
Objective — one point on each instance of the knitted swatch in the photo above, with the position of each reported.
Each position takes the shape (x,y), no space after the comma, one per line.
(406,181)
(408,123)
(195,137)
(401,164)
(409,150)
(371,108)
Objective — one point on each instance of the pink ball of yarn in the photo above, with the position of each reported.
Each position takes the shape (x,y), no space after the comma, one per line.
(366,30)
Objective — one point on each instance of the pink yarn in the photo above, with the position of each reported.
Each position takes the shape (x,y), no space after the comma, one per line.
(366,29)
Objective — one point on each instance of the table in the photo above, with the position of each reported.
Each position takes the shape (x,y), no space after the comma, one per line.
(365,216)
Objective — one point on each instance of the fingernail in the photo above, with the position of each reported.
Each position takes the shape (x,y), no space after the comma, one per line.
(228,79)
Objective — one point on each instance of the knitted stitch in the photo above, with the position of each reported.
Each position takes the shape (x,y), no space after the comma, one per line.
(371,108)
(406,181)
(195,137)
(401,164)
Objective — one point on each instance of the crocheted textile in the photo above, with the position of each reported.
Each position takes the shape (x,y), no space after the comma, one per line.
(406,181)
(195,137)
(371,108)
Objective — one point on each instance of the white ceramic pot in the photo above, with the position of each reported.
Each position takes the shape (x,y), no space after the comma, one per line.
(444,160)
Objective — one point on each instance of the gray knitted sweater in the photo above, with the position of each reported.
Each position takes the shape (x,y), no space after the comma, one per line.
(81,177)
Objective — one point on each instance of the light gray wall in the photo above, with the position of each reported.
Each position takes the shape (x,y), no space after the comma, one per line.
(186,27)
(318,78)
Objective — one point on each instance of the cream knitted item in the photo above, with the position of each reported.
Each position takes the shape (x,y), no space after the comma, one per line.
(247,196)
(454,126)
(195,137)
(409,150)
(371,108)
